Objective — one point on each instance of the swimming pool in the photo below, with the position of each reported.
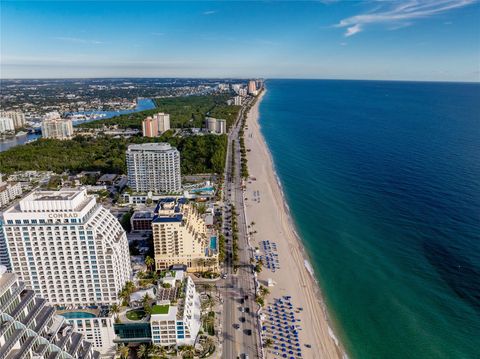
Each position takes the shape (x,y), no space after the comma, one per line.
(77,315)
(213,243)
(206,189)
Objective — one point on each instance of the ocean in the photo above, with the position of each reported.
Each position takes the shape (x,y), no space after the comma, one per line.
(383,182)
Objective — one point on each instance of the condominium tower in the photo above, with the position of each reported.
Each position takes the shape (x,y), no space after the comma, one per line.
(150,127)
(163,120)
(252,87)
(6,124)
(67,247)
(153,167)
(155,125)
(180,236)
(29,328)
(17,117)
(58,128)
(215,125)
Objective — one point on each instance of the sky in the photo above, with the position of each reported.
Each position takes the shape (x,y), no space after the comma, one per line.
(423,40)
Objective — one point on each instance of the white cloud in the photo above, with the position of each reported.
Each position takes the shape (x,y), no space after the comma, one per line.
(399,13)
(352,30)
(209,12)
(76,40)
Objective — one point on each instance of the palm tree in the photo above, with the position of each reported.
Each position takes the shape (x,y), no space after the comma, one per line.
(149,262)
(201,262)
(130,287)
(157,351)
(268,343)
(143,351)
(123,351)
(115,309)
(209,302)
(211,262)
(124,296)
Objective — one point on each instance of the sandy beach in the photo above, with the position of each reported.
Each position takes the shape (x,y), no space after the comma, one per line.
(266,207)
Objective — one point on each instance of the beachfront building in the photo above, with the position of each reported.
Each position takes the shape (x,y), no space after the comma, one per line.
(178,324)
(215,125)
(96,325)
(252,87)
(6,125)
(180,236)
(153,167)
(17,117)
(174,318)
(55,127)
(237,101)
(67,247)
(29,328)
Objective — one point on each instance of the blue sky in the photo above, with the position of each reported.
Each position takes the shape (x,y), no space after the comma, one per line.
(401,40)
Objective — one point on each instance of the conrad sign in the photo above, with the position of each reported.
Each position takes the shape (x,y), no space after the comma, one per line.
(63,215)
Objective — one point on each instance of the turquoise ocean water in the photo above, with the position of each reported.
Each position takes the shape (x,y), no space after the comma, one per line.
(383,181)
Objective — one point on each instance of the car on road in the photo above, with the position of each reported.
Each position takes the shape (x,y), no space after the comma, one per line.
(236,326)
(247,310)
(242,309)
(242,300)
(246,297)
(248,332)
(242,319)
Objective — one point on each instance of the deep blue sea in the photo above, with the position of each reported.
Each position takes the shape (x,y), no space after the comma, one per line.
(383,181)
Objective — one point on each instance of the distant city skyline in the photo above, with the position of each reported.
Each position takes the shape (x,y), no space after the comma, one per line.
(431,40)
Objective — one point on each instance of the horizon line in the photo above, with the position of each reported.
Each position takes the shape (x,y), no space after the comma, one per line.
(235,78)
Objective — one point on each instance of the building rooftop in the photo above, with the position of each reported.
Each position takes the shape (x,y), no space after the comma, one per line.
(160,309)
(160,146)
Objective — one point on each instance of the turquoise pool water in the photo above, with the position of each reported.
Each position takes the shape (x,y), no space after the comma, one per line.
(206,189)
(213,243)
(78,315)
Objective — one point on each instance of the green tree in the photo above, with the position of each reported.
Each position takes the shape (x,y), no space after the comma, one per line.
(123,351)
(149,262)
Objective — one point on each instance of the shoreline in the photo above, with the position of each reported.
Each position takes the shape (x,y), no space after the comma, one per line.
(280,227)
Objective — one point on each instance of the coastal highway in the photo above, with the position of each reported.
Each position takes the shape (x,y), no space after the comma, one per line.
(238,288)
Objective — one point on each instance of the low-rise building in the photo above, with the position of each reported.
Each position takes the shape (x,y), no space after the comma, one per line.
(96,325)
(9,191)
(174,318)
(141,221)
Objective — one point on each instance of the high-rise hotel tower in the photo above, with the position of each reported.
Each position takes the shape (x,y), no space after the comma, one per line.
(29,328)
(153,167)
(67,247)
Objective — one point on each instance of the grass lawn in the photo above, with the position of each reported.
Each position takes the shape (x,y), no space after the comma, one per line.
(160,309)
(135,314)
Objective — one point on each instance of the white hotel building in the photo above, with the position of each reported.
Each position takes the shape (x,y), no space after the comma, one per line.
(154,167)
(67,247)
(29,328)
(180,326)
